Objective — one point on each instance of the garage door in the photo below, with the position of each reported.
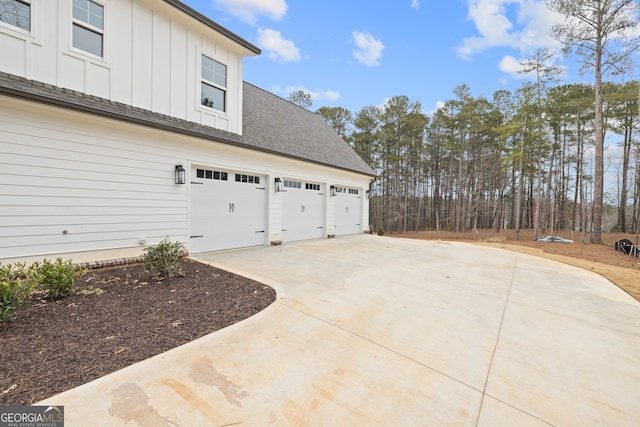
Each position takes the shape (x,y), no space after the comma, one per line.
(348,211)
(227,210)
(302,211)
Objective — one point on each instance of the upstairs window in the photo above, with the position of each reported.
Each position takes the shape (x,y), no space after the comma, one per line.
(213,92)
(88,26)
(16,13)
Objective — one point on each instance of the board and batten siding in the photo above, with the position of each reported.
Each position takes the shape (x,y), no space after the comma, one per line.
(151,58)
(110,184)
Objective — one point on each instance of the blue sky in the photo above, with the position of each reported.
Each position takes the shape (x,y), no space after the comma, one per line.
(356,53)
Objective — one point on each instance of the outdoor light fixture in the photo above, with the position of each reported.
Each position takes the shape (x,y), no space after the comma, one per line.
(180,174)
(332,191)
(368,194)
(278,184)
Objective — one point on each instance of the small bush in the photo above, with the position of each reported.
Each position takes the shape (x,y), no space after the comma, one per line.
(15,287)
(380,231)
(163,259)
(57,279)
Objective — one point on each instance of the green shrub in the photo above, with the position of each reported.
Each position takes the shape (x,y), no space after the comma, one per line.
(380,231)
(14,288)
(163,259)
(57,279)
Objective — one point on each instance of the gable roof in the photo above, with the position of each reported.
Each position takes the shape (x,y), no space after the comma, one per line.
(274,132)
(213,25)
(270,121)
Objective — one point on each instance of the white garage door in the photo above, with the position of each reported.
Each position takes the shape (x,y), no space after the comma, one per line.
(302,211)
(348,210)
(227,210)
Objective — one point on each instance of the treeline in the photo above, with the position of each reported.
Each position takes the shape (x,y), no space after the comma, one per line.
(522,159)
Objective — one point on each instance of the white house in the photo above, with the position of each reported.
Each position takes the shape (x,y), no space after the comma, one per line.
(104,102)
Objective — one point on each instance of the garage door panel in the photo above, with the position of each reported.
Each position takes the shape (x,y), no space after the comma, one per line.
(226,210)
(348,211)
(303,210)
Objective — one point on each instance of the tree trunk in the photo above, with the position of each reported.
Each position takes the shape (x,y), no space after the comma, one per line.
(622,206)
(598,190)
(538,207)
(520,183)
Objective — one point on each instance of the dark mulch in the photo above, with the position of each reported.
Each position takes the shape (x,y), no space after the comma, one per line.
(51,346)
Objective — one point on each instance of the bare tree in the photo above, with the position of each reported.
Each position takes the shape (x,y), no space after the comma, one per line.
(15,13)
(300,98)
(597,30)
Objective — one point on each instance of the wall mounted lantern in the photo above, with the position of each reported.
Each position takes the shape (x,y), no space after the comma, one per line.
(368,194)
(278,184)
(180,174)
(332,191)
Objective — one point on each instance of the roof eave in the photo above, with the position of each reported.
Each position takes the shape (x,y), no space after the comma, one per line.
(252,49)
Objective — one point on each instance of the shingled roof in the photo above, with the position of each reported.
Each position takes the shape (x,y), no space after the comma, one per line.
(272,123)
(284,129)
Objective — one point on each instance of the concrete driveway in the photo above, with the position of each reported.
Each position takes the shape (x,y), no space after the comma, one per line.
(376,331)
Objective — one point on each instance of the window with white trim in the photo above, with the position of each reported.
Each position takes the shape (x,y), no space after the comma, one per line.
(16,13)
(213,87)
(88,26)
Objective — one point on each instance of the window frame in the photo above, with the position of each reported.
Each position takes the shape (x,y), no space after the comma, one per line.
(9,25)
(86,26)
(206,82)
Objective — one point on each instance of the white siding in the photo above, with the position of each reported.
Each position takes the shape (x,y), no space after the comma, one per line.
(106,188)
(110,184)
(151,58)
(16,49)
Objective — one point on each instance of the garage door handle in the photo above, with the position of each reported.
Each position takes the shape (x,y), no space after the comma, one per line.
(260,231)
(319,227)
(193,237)
(201,183)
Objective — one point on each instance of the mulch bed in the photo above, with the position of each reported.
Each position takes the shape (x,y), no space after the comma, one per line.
(52,346)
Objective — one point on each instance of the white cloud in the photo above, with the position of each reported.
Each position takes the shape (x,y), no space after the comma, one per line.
(511,66)
(368,50)
(519,24)
(250,10)
(415,4)
(316,95)
(276,47)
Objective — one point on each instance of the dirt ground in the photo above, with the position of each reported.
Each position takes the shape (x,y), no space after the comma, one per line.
(52,346)
(621,269)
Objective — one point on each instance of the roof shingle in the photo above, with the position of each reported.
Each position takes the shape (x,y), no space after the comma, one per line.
(271,122)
